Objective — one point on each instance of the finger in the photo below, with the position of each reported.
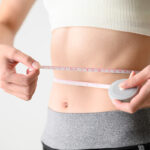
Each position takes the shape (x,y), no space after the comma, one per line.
(137,79)
(23,80)
(19,56)
(21,91)
(18,88)
(18,95)
(136,102)
(122,106)
(132,74)
(141,97)
(29,70)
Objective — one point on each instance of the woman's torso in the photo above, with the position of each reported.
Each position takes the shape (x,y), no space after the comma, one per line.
(97,48)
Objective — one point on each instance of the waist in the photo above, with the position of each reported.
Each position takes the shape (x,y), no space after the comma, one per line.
(97,48)
(93,48)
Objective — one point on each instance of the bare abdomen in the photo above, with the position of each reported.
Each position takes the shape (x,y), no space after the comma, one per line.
(95,48)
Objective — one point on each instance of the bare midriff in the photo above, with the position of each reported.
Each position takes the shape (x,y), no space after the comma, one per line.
(94,48)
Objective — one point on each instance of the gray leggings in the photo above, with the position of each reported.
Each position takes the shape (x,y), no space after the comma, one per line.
(134,147)
(96,130)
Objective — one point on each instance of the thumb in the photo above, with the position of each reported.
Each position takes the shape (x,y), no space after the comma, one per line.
(130,82)
(25,59)
(135,79)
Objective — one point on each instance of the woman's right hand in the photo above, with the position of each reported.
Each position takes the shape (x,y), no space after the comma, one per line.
(19,85)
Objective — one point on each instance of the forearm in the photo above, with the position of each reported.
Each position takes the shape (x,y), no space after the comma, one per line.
(6,35)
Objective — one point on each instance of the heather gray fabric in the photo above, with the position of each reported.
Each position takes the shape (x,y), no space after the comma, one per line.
(111,129)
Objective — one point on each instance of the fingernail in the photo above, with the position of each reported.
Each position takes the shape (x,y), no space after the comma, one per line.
(121,89)
(36,65)
(131,74)
(123,84)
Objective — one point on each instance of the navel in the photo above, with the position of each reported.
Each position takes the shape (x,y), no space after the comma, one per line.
(65,104)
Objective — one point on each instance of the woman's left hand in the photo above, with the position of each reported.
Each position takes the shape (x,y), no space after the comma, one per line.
(142,98)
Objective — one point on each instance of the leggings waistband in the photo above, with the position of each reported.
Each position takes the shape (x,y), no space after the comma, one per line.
(111,129)
(145,146)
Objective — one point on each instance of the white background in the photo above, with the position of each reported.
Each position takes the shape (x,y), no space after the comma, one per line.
(22,122)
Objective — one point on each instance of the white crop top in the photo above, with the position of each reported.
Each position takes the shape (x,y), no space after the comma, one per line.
(124,15)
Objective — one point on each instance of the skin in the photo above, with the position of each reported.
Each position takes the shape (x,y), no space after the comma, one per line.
(103,48)
(19,85)
(76,46)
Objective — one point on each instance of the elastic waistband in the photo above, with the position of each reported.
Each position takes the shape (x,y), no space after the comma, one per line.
(111,129)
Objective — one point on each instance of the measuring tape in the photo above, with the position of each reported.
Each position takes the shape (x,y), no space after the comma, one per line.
(114,91)
(88,69)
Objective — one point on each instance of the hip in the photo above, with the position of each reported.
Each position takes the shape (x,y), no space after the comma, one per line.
(98,130)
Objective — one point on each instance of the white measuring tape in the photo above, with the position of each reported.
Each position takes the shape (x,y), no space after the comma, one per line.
(78,83)
(114,91)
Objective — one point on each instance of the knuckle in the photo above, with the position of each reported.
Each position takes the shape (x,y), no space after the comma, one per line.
(27,81)
(131,110)
(38,72)
(14,53)
(27,97)
(28,58)
(27,90)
